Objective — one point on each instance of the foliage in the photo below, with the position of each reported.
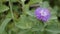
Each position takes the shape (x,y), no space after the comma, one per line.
(17,17)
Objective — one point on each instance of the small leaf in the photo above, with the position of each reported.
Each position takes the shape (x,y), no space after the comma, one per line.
(3,8)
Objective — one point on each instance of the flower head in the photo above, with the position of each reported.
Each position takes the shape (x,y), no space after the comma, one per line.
(42,14)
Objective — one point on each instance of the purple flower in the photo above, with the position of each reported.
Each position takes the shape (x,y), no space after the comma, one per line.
(42,14)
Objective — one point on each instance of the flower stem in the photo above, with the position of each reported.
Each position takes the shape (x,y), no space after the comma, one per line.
(10,4)
(45,25)
(23,6)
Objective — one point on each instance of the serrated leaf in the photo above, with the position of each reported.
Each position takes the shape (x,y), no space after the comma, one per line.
(3,8)
(3,25)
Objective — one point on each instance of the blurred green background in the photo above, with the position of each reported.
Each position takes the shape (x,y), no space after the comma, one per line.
(17,17)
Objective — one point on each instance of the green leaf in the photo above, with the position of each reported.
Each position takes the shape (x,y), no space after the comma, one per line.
(14,0)
(4,24)
(9,15)
(35,32)
(27,11)
(37,27)
(37,24)
(14,29)
(29,32)
(55,8)
(30,13)
(49,32)
(53,27)
(35,1)
(53,12)
(15,8)
(45,4)
(4,0)
(26,7)
(24,23)
(58,13)
(9,31)
(44,32)
(4,32)
(8,0)
(23,31)
(3,8)
(28,22)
